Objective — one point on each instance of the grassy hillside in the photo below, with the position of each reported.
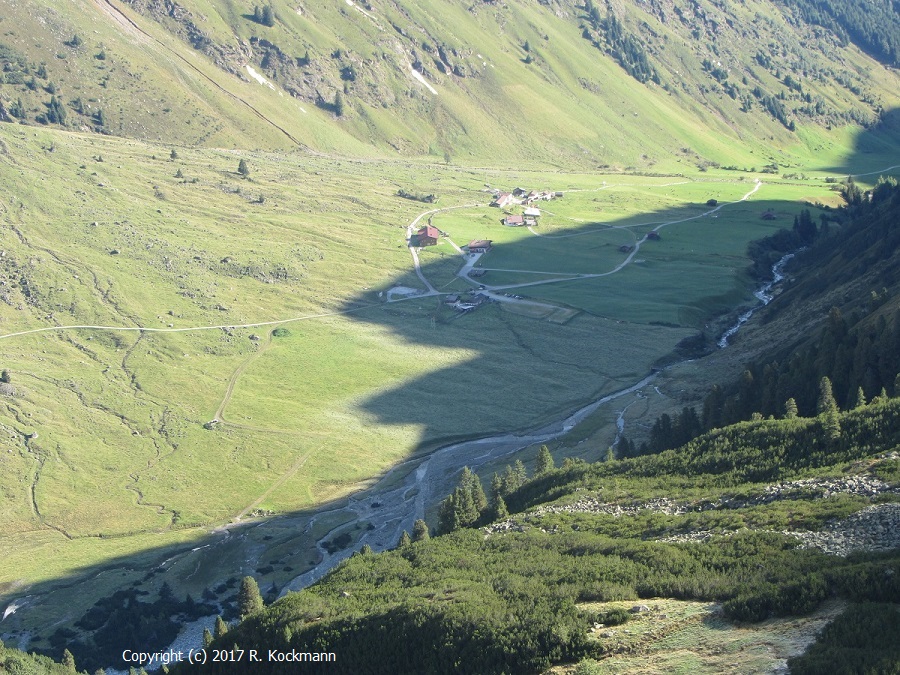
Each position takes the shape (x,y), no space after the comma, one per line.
(714,85)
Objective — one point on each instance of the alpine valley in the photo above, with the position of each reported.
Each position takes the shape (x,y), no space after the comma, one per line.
(450,336)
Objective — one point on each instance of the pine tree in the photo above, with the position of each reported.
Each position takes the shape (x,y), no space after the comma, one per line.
(173,155)
(544,461)
(249,598)
(826,402)
(56,113)
(790,409)
(207,637)
(520,472)
(831,424)
(860,398)
(496,486)
(448,516)
(220,628)
(339,105)
(268,16)
(465,512)
(17,109)
(828,410)
(68,660)
(479,500)
(405,540)
(499,511)
(243,169)
(420,531)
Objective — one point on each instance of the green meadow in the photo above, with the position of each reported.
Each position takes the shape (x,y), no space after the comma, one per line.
(185,269)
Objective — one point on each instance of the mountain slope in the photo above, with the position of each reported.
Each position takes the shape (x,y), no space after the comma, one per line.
(451,78)
(511,597)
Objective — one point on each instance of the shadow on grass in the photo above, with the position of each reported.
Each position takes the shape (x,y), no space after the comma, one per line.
(523,369)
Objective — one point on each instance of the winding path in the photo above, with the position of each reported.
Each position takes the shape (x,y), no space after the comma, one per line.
(629,258)
(410,230)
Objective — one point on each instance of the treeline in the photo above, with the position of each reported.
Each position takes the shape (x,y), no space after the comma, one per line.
(627,49)
(859,354)
(874,25)
(760,451)
(860,364)
(863,639)
(471,602)
(468,505)
(20,663)
(767,251)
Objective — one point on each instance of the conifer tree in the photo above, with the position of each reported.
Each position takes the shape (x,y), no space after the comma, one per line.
(499,511)
(243,169)
(68,660)
(207,637)
(828,410)
(448,515)
(544,461)
(520,473)
(420,531)
(464,507)
(405,540)
(56,113)
(220,628)
(831,424)
(790,409)
(496,486)
(826,401)
(249,598)
(860,398)
(479,500)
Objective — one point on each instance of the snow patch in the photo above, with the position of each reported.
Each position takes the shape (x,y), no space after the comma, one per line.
(416,74)
(259,78)
(352,4)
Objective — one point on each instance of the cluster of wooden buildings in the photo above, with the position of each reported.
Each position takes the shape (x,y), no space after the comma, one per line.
(522,196)
(466,302)
(430,235)
(529,218)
